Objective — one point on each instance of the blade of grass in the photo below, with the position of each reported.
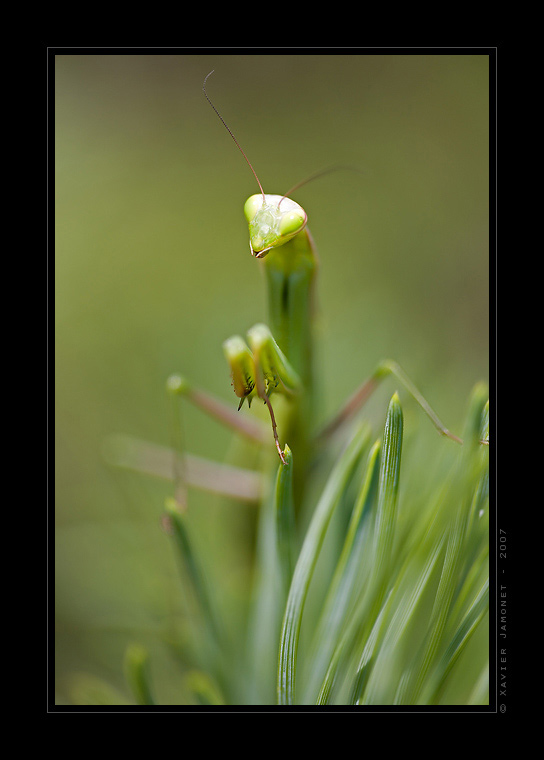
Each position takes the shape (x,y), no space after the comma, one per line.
(137,674)
(340,654)
(458,643)
(178,523)
(345,577)
(368,609)
(412,577)
(285,519)
(471,580)
(204,688)
(465,561)
(410,587)
(265,610)
(213,645)
(480,692)
(461,498)
(305,566)
(341,584)
(440,613)
(386,510)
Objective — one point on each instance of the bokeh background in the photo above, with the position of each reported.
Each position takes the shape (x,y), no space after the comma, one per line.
(153,272)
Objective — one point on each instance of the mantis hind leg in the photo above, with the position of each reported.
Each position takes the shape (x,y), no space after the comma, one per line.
(185,470)
(243,424)
(364,391)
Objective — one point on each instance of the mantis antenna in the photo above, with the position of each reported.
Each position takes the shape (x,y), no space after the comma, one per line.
(230,132)
(295,187)
(316,176)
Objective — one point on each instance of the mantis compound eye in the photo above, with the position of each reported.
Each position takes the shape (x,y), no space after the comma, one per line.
(291,223)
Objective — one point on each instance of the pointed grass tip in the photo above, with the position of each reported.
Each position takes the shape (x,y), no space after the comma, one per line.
(287,460)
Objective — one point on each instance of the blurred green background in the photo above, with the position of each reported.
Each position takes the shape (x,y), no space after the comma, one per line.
(153,272)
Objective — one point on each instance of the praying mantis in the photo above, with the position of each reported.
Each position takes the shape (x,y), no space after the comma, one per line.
(275,362)
(279,358)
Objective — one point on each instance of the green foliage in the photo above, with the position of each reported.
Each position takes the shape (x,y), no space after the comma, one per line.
(374,589)
(137,674)
(394,615)
(305,566)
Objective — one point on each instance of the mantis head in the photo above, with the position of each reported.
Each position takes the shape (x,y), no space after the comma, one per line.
(273,220)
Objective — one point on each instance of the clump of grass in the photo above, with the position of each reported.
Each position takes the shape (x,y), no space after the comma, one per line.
(378,605)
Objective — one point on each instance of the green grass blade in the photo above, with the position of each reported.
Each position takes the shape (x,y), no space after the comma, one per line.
(137,674)
(477,418)
(458,643)
(406,596)
(346,575)
(480,692)
(192,570)
(388,490)
(213,646)
(370,606)
(366,662)
(350,555)
(484,433)
(443,602)
(472,579)
(267,603)
(306,564)
(464,564)
(285,519)
(204,688)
